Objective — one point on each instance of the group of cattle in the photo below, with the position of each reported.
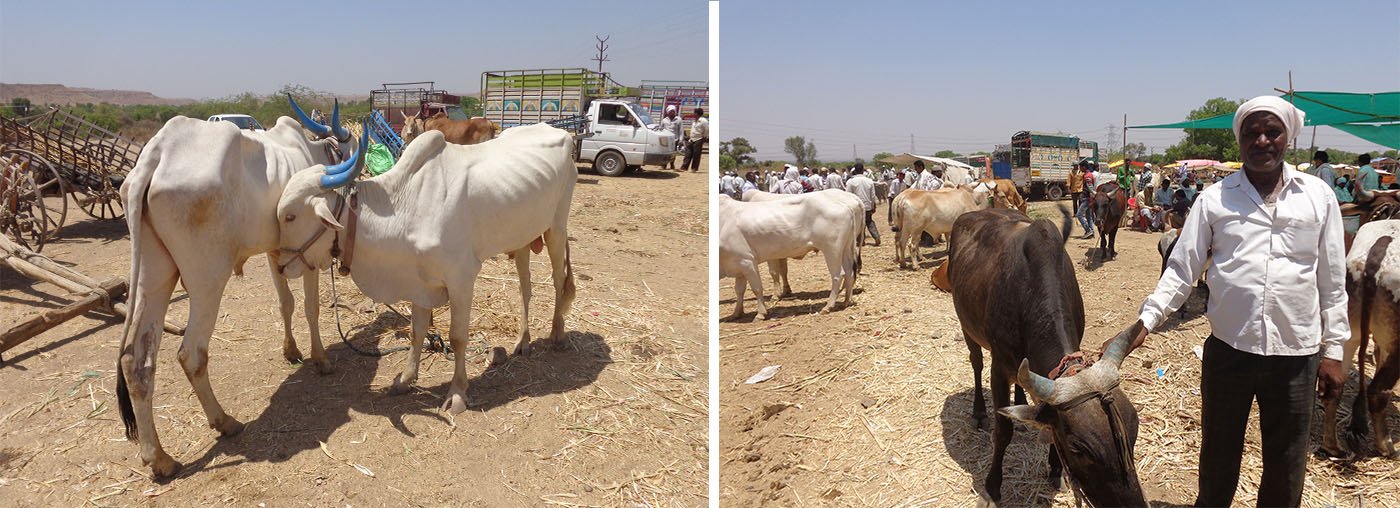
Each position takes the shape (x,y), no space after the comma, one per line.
(772,228)
(205,196)
(1016,295)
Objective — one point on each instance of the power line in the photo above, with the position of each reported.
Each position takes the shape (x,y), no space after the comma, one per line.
(602,46)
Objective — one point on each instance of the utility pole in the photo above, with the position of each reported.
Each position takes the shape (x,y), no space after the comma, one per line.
(853,152)
(602,46)
(911,143)
(1125,136)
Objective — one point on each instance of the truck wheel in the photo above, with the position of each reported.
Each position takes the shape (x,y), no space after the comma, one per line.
(610,164)
(1054,192)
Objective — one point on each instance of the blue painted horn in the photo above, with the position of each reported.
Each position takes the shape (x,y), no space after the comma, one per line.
(319,130)
(341,134)
(342,174)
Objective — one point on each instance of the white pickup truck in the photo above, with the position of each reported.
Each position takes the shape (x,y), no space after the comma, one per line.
(620,135)
(242,121)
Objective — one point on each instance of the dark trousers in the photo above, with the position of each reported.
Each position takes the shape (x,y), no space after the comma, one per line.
(870,226)
(692,155)
(1285,388)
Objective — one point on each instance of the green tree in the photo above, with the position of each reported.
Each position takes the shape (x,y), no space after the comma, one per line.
(1137,151)
(20,106)
(727,162)
(472,106)
(1218,144)
(879,158)
(946,154)
(805,152)
(739,149)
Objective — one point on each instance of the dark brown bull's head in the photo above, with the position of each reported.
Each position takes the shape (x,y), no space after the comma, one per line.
(1092,424)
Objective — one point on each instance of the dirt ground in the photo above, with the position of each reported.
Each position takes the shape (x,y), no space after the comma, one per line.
(872,403)
(613,416)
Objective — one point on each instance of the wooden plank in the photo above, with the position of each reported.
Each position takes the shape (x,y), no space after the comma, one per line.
(47,320)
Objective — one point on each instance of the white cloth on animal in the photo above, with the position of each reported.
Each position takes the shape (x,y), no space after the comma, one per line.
(1292,116)
(1278,283)
(864,189)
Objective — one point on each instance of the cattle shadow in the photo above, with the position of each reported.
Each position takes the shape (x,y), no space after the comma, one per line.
(1362,448)
(104,230)
(587,181)
(785,307)
(643,174)
(1194,307)
(307,408)
(971,448)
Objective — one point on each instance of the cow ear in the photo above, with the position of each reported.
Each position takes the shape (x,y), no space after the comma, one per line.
(1039,417)
(327,216)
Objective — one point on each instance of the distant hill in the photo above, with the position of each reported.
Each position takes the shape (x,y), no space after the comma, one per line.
(64,96)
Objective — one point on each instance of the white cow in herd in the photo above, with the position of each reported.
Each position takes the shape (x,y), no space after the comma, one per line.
(421,231)
(830,221)
(201,200)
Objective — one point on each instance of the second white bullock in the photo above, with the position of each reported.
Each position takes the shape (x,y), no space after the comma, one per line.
(830,221)
(421,231)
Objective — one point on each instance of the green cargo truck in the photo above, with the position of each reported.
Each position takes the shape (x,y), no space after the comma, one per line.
(1041,161)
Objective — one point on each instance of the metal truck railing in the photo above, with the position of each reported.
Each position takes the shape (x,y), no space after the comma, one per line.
(381,132)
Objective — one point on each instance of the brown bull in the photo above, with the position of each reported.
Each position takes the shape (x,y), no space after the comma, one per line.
(461,132)
(1109,204)
(1015,293)
(1008,189)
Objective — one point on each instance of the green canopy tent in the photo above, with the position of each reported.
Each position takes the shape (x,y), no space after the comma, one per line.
(1374,117)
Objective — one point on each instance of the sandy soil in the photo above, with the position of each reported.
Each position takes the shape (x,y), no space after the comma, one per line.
(615,415)
(872,405)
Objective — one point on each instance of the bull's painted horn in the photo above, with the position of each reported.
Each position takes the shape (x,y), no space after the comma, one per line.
(1118,349)
(1040,387)
(341,134)
(1365,196)
(306,121)
(341,174)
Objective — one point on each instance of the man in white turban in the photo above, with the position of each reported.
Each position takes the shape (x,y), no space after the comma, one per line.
(1278,317)
(791,182)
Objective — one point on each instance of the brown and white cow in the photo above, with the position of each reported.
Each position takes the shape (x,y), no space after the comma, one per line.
(460,132)
(1016,295)
(1373,308)
(1008,189)
(933,212)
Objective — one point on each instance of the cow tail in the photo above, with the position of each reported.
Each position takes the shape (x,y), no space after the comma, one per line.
(135,196)
(1368,294)
(1065,225)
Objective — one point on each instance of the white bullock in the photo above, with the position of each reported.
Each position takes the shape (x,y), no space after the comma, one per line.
(933,212)
(421,231)
(201,200)
(830,221)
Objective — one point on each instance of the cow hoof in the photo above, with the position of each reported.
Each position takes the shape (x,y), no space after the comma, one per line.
(522,348)
(760,317)
(1387,449)
(164,466)
(983,502)
(228,426)
(1056,480)
(455,404)
(1335,452)
(825,310)
(497,357)
(292,354)
(322,365)
(400,385)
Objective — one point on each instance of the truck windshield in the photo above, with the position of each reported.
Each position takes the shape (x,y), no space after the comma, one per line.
(243,122)
(641,113)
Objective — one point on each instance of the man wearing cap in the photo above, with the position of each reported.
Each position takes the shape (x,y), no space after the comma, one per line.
(1278,312)
(672,124)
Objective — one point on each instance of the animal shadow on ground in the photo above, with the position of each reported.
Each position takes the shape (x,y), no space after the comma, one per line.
(1361,447)
(659,174)
(307,407)
(971,448)
(782,308)
(81,232)
(1195,306)
(1093,259)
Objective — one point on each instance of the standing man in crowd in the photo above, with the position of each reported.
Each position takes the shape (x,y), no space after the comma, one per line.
(1366,178)
(896,186)
(1125,176)
(672,124)
(1322,169)
(1275,235)
(699,134)
(750,183)
(1084,214)
(791,182)
(1075,184)
(834,180)
(864,189)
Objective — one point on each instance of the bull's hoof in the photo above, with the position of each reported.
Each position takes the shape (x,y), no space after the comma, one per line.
(292,354)
(979,422)
(760,316)
(227,426)
(455,404)
(1386,448)
(164,466)
(1334,451)
(401,386)
(825,310)
(1056,480)
(496,357)
(522,348)
(321,365)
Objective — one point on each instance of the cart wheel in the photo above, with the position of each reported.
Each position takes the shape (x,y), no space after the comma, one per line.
(25,215)
(102,200)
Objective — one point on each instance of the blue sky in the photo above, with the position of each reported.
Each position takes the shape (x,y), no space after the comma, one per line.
(197,49)
(965,76)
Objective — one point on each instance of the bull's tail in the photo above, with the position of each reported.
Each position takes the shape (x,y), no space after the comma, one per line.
(134,191)
(1368,294)
(860,244)
(1065,224)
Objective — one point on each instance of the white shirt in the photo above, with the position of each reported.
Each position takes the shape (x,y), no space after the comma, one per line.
(700,129)
(672,125)
(835,181)
(897,186)
(864,189)
(1278,285)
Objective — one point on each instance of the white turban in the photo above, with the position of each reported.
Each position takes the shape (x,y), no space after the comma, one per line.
(791,173)
(1292,116)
